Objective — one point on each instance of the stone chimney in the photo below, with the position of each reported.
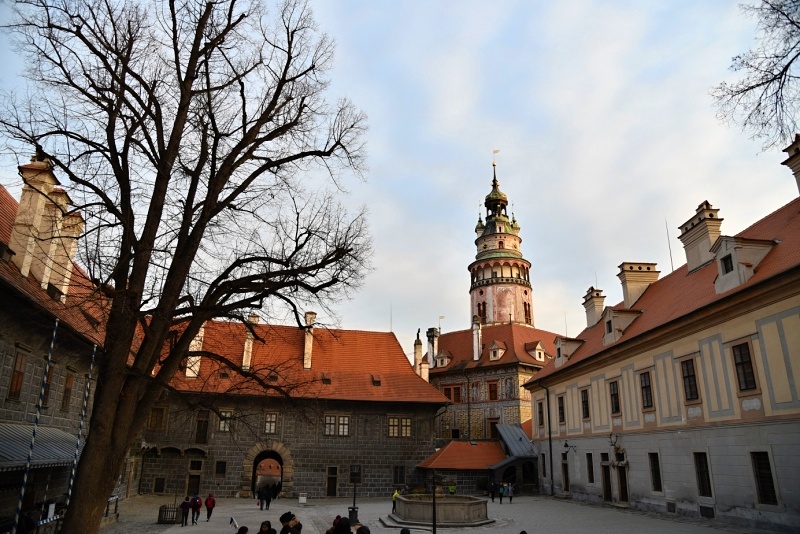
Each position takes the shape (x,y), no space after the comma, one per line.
(793,161)
(247,355)
(699,234)
(635,278)
(433,346)
(593,304)
(418,355)
(311,318)
(477,341)
(423,370)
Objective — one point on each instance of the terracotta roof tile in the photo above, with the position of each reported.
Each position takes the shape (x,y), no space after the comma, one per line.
(681,293)
(513,336)
(348,359)
(465,455)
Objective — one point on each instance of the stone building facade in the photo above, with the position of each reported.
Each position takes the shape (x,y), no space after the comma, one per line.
(680,399)
(46,300)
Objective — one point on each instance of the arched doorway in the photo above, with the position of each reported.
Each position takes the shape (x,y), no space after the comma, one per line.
(276,457)
(268,472)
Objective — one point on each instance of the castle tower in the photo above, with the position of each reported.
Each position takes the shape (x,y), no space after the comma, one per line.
(500,290)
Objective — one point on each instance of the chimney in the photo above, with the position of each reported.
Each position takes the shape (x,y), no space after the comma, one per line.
(193,362)
(793,161)
(423,370)
(247,355)
(593,304)
(433,345)
(699,234)
(311,318)
(635,278)
(418,355)
(27,235)
(477,343)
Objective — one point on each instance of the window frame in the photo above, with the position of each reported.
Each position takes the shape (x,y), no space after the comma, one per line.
(613,395)
(17,383)
(562,415)
(393,426)
(586,407)
(405,427)
(749,365)
(726,264)
(270,422)
(157,424)
(689,381)
(656,480)
(540,412)
(336,425)
(589,468)
(224,470)
(225,421)
(451,391)
(702,470)
(66,395)
(646,389)
(492,390)
(759,476)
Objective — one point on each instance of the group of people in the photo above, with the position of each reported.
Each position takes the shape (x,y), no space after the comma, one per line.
(289,525)
(193,505)
(264,495)
(341,525)
(504,490)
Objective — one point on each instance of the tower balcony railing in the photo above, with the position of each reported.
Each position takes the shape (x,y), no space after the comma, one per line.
(500,280)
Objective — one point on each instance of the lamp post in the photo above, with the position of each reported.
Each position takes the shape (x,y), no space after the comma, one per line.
(433,515)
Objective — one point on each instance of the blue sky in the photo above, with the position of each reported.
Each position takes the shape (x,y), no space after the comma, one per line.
(602,115)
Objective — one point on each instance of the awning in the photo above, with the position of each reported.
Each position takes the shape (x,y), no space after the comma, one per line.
(53,447)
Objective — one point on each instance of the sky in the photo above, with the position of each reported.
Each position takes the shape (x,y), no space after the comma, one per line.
(608,140)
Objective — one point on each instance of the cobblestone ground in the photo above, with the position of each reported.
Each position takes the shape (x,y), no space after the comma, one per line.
(138,515)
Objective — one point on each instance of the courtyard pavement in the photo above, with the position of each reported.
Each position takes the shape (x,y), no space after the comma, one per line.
(534,514)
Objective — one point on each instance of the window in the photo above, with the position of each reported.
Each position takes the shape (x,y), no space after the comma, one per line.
(585,403)
(744,366)
(764,483)
(544,466)
(727,264)
(225,417)
(158,418)
(47,384)
(220,469)
(609,328)
(540,413)
(689,380)
(655,471)
(17,377)
(453,393)
(647,390)
(69,381)
(337,425)
(394,427)
(270,423)
(201,433)
(492,387)
(613,389)
(703,474)
(398,475)
(561,409)
(195,465)
(405,427)
(589,468)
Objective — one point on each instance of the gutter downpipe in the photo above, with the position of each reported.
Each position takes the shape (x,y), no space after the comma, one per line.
(549,437)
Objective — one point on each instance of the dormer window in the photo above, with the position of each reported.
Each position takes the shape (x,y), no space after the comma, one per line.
(726,264)
(558,352)
(496,351)
(609,328)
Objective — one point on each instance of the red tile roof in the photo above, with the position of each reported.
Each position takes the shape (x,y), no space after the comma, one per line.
(682,293)
(362,366)
(83,309)
(465,455)
(514,336)
(527,427)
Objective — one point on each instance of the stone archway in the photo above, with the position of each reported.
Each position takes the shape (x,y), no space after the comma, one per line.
(287,466)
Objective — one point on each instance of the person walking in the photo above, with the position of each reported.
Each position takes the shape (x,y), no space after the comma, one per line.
(262,497)
(267,497)
(186,507)
(492,490)
(197,505)
(211,502)
(501,492)
(394,499)
(510,493)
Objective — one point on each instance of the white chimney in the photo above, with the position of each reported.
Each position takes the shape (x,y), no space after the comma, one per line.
(477,341)
(635,278)
(699,234)
(247,355)
(418,355)
(593,304)
(193,362)
(311,318)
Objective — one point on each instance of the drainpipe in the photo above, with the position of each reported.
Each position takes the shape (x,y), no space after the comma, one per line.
(549,436)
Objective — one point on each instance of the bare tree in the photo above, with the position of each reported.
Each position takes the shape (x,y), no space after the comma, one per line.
(201,150)
(765,101)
